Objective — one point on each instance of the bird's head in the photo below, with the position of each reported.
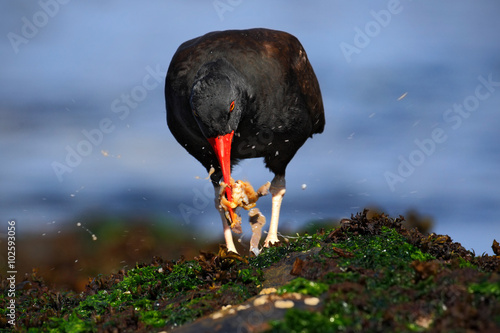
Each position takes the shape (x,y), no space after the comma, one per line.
(217,102)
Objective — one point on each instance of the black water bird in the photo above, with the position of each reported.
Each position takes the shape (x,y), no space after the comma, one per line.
(238,94)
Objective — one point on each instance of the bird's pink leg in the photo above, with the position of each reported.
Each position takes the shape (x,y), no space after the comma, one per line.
(228,236)
(278,189)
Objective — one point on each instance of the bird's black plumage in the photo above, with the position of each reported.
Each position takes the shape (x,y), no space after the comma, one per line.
(240,94)
(266,73)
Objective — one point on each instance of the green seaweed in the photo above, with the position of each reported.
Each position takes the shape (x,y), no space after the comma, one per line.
(389,249)
(72,324)
(386,255)
(486,288)
(301,243)
(249,275)
(303,286)
(298,321)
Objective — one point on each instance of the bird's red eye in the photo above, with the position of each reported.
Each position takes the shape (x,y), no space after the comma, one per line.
(231,106)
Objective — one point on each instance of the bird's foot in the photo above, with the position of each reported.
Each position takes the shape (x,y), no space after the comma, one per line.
(231,248)
(255,251)
(271,240)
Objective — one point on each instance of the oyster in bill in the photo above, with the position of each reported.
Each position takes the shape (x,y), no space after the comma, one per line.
(243,195)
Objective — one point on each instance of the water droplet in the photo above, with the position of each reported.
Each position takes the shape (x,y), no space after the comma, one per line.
(94,237)
(402,96)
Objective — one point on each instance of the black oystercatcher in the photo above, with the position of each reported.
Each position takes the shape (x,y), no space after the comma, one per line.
(240,94)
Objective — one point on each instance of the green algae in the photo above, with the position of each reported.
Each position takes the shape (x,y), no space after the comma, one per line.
(389,249)
(301,243)
(303,286)
(72,324)
(378,252)
(486,288)
(157,297)
(379,279)
(297,321)
(136,286)
(254,276)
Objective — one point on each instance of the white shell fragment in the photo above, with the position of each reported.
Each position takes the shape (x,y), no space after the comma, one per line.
(311,301)
(284,304)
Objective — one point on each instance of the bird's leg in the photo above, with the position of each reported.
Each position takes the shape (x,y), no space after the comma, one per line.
(278,189)
(228,236)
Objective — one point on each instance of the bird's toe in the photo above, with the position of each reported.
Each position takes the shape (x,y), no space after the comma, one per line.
(270,240)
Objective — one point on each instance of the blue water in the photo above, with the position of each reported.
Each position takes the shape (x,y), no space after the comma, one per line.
(85,77)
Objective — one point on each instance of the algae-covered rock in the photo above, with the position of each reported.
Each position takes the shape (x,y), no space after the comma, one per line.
(370,274)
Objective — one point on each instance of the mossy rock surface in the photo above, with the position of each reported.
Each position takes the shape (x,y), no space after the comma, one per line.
(369,275)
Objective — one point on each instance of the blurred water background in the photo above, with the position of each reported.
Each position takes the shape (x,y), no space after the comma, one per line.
(411,92)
